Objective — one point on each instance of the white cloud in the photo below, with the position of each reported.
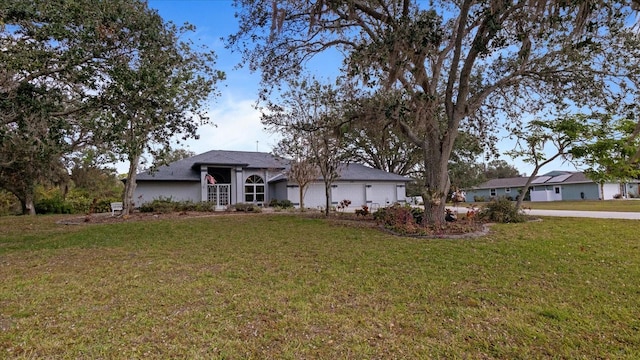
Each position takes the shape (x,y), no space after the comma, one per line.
(237,127)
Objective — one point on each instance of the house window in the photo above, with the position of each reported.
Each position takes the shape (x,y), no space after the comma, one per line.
(254,189)
(507,190)
(493,192)
(557,190)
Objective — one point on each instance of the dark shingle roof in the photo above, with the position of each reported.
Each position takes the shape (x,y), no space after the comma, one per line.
(357,172)
(503,183)
(353,172)
(189,169)
(555,177)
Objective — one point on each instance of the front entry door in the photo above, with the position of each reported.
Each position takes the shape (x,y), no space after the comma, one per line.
(219,195)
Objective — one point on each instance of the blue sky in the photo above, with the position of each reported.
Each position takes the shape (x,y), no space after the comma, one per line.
(237,123)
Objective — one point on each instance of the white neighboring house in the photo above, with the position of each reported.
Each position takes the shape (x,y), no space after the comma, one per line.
(256,177)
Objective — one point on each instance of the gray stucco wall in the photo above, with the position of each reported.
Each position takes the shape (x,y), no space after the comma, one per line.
(278,191)
(486,193)
(380,193)
(573,191)
(147,191)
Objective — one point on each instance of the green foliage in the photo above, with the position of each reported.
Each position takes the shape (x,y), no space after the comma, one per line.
(53,205)
(76,201)
(73,77)
(165,205)
(54,58)
(502,210)
(478,198)
(9,203)
(284,204)
(246,207)
(610,151)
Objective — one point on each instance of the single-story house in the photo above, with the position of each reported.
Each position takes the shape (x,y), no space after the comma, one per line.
(229,177)
(554,186)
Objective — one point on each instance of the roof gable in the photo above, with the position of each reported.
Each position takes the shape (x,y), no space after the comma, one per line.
(189,169)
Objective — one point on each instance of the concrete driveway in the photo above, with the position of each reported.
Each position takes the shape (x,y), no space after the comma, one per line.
(585,214)
(573,213)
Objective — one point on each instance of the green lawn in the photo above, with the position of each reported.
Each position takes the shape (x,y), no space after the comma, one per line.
(278,286)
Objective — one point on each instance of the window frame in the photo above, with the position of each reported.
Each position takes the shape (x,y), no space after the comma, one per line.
(252,185)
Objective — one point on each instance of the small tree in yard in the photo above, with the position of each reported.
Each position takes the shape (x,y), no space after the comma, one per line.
(302,170)
(533,142)
(310,116)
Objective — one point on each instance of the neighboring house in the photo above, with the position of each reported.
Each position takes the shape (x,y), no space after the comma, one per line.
(230,177)
(554,186)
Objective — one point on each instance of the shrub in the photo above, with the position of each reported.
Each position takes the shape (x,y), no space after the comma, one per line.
(363,212)
(160,205)
(285,204)
(247,207)
(398,218)
(197,206)
(344,204)
(503,211)
(53,205)
(166,205)
(477,198)
(51,201)
(9,203)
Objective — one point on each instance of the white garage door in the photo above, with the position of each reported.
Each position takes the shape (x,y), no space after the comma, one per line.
(347,191)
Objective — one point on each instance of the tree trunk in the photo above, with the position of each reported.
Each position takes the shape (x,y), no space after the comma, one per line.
(327,194)
(601,190)
(28,204)
(436,185)
(130,186)
(301,189)
(526,187)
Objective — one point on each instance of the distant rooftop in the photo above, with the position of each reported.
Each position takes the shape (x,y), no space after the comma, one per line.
(553,177)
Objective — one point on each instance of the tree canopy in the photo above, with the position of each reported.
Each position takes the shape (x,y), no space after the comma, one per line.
(109,74)
(456,65)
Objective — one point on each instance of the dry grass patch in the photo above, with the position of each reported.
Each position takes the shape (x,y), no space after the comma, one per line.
(279,286)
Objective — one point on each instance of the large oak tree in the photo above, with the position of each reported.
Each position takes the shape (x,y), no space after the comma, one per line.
(53,58)
(456,63)
(108,74)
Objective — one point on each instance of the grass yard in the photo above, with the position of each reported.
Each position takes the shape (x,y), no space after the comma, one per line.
(278,286)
